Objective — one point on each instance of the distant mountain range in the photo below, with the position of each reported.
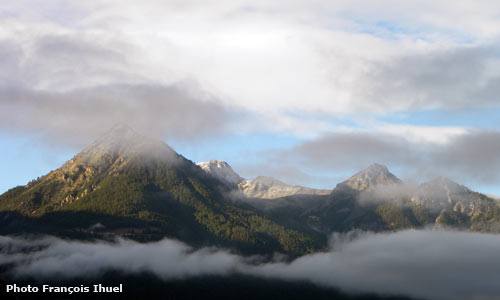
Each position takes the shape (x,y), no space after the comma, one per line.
(138,187)
(263,187)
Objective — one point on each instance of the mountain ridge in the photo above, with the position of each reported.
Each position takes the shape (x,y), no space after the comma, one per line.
(141,188)
(373,175)
(266,187)
(262,187)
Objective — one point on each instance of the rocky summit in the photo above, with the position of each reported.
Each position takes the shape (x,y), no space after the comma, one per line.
(374,175)
(222,171)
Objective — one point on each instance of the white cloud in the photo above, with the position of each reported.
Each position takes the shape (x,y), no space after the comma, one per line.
(283,56)
(423,134)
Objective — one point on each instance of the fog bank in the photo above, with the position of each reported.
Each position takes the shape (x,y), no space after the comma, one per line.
(423,264)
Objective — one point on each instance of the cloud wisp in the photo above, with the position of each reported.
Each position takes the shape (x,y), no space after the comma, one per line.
(424,264)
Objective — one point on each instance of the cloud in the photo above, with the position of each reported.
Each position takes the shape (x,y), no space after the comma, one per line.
(450,265)
(411,152)
(270,58)
(457,78)
(382,193)
(79,116)
(305,58)
(52,257)
(279,169)
(61,62)
(470,156)
(339,150)
(70,88)
(427,264)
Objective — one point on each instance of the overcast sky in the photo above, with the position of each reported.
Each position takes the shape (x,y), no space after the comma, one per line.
(307,91)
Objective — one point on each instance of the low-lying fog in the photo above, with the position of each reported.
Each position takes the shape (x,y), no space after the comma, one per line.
(417,263)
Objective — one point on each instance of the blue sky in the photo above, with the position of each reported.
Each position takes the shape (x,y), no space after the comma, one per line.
(22,160)
(306,91)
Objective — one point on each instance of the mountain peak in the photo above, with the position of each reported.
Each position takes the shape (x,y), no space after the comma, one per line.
(122,142)
(219,164)
(120,133)
(444,183)
(377,168)
(120,129)
(443,180)
(268,181)
(375,174)
(222,171)
(442,192)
